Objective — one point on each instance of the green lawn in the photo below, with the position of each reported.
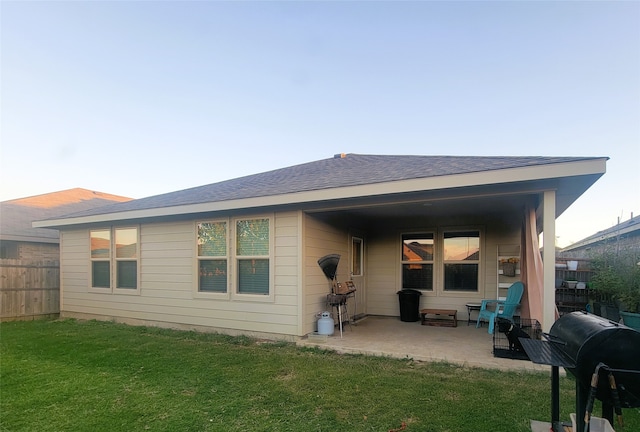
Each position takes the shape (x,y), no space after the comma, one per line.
(97,376)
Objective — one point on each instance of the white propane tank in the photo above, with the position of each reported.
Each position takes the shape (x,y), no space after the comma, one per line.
(326,326)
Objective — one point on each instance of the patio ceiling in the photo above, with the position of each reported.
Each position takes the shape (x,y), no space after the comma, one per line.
(476,200)
(435,207)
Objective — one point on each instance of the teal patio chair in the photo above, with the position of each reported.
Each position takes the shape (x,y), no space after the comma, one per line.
(501,308)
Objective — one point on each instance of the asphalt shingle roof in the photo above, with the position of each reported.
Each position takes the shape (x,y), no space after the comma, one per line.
(629,228)
(335,172)
(16,215)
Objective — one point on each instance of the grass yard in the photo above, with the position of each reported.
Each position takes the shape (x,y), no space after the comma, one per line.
(98,376)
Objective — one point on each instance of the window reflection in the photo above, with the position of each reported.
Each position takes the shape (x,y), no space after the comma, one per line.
(417,248)
(461,246)
(417,261)
(100,244)
(461,255)
(127,243)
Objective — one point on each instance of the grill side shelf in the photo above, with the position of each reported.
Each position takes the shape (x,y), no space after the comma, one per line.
(544,352)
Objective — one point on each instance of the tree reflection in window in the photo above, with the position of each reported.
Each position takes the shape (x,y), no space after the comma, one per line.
(212,257)
(252,253)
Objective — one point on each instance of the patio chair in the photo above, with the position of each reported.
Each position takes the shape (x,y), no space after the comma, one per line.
(502,308)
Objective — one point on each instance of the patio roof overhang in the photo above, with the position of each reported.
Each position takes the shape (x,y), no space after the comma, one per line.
(485,190)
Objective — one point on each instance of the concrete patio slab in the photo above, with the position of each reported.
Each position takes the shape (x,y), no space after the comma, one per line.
(464,345)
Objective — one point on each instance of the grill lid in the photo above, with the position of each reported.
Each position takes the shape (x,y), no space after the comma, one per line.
(329,265)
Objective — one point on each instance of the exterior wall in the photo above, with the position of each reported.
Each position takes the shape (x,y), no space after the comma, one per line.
(384,262)
(322,237)
(629,243)
(39,251)
(383,275)
(168,274)
(167,296)
(30,251)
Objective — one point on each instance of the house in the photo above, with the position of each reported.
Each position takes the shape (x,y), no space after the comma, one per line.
(624,236)
(241,256)
(29,257)
(19,240)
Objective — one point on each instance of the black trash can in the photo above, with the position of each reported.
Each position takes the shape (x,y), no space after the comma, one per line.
(409,305)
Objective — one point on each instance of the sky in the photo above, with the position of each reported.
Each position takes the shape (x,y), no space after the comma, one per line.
(147,97)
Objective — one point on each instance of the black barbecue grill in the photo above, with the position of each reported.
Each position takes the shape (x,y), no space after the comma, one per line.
(604,357)
(339,294)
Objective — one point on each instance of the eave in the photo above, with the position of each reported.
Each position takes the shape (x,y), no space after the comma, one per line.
(546,176)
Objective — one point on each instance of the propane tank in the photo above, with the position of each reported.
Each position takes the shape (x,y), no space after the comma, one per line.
(326,325)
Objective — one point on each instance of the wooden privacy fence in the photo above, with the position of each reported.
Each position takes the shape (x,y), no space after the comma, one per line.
(29,289)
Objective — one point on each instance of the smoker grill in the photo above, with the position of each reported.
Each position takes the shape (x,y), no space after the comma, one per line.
(338,297)
(592,349)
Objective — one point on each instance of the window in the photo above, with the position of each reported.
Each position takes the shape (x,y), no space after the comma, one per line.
(127,258)
(212,257)
(124,261)
(356,258)
(461,258)
(238,247)
(8,249)
(101,259)
(417,261)
(252,256)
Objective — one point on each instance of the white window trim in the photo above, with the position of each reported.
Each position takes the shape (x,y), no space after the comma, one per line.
(434,291)
(113,289)
(91,288)
(196,265)
(438,261)
(115,259)
(441,262)
(233,258)
(232,273)
(361,255)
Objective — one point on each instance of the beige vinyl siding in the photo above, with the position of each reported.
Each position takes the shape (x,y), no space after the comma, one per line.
(287,268)
(321,238)
(167,265)
(166,261)
(74,265)
(506,232)
(168,274)
(383,276)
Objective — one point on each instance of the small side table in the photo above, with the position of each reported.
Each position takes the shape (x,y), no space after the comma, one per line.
(452,313)
(472,307)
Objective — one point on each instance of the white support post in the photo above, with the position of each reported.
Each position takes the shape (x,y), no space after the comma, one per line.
(549,260)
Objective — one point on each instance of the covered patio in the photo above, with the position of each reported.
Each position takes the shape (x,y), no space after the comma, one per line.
(464,345)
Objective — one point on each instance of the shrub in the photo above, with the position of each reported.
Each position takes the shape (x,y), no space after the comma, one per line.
(617,278)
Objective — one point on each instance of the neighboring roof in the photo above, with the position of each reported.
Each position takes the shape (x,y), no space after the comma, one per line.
(623,229)
(17,215)
(343,176)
